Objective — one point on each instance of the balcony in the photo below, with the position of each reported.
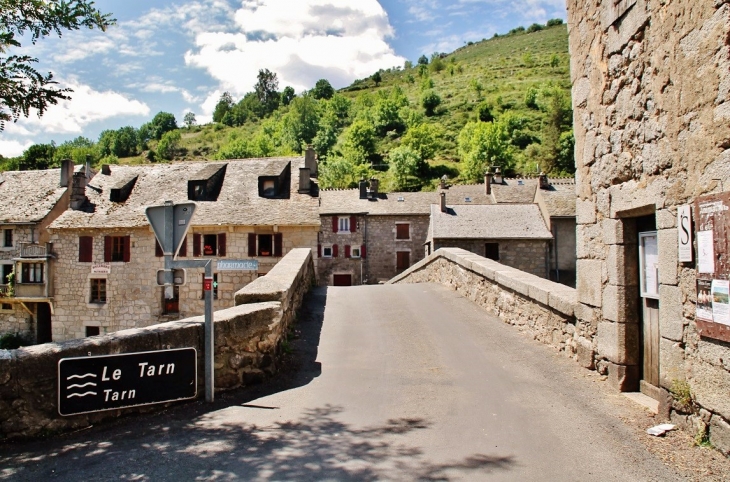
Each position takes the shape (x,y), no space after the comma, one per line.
(34,250)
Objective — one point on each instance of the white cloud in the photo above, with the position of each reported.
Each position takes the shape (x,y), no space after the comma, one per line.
(301,41)
(13,148)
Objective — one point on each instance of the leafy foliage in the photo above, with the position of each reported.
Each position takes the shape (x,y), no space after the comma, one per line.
(189,120)
(430,100)
(168,144)
(404,163)
(322,90)
(482,145)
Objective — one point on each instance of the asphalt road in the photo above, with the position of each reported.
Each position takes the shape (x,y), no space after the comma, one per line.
(398,382)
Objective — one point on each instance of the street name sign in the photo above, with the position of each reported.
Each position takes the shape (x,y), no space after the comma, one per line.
(237,265)
(110,382)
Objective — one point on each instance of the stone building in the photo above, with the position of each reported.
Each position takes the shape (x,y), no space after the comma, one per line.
(107,256)
(651,99)
(31,200)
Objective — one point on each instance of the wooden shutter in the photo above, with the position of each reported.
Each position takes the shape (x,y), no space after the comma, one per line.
(127,249)
(402,231)
(252,244)
(353,224)
(86,249)
(362,251)
(319,250)
(335,224)
(334,250)
(347,251)
(196,244)
(107,249)
(222,244)
(183,248)
(278,244)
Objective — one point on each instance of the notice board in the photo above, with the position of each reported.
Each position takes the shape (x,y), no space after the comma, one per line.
(712,232)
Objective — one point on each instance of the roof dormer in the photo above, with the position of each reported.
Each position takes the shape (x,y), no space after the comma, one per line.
(206,184)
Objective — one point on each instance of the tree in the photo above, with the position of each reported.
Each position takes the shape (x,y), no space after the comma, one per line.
(266,90)
(322,90)
(554,22)
(360,136)
(423,139)
(484,144)
(422,60)
(189,120)
(477,87)
(169,144)
(484,112)
(225,103)
(38,156)
(377,78)
(161,123)
(288,95)
(23,88)
(404,163)
(531,98)
(430,101)
(535,27)
(299,125)
(407,65)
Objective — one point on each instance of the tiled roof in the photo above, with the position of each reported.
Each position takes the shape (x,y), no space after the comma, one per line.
(476,193)
(238,202)
(498,221)
(515,191)
(560,198)
(347,201)
(28,196)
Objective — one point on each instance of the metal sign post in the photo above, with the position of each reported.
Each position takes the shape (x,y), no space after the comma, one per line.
(170,224)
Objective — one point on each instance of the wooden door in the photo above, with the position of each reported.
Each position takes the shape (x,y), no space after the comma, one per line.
(649,289)
(651,341)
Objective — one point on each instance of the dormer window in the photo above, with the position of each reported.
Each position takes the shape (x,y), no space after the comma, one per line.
(269,188)
(276,186)
(207,183)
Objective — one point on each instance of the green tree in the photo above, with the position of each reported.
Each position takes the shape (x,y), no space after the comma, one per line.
(161,123)
(565,161)
(430,101)
(554,22)
(554,60)
(322,90)
(535,27)
(169,144)
(22,87)
(531,98)
(437,63)
(386,114)
(484,112)
(423,139)
(287,95)
(266,90)
(477,87)
(484,144)
(38,156)
(299,125)
(377,78)
(189,120)
(340,172)
(408,65)
(422,60)
(404,164)
(225,103)
(360,138)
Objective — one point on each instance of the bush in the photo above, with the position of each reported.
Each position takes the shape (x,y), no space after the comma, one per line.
(430,101)
(484,112)
(12,341)
(535,27)
(554,22)
(531,98)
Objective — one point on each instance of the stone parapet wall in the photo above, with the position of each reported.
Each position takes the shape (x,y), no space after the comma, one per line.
(528,255)
(247,345)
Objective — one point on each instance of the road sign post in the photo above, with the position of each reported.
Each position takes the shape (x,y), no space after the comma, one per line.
(170,224)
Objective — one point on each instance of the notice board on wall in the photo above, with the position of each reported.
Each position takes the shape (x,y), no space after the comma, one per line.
(712,232)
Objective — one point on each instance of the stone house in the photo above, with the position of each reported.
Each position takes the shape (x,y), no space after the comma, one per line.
(31,200)
(651,99)
(107,256)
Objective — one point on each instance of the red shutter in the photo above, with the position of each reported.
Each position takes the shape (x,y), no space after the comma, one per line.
(278,242)
(183,248)
(107,249)
(362,251)
(353,224)
(335,224)
(319,250)
(252,244)
(158,249)
(86,249)
(347,251)
(334,250)
(127,248)
(222,244)
(196,244)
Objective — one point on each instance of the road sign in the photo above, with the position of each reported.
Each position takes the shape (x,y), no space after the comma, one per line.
(178,277)
(110,382)
(238,265)
(181,216)
(207,284)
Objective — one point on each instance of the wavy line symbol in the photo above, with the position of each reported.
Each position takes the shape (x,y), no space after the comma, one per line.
(80,394)
(82,386)
(81,376)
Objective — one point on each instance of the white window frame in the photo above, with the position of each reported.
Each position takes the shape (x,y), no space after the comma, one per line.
(352,252)
(644,265)
(324,251)
(343,225)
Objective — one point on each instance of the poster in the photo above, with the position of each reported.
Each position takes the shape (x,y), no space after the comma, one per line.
(705,252)
(684,233)
(650,265)
(721,301)
(704,300)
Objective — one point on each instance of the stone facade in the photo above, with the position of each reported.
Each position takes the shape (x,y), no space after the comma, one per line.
(530,256)
(330,265)
(651,98)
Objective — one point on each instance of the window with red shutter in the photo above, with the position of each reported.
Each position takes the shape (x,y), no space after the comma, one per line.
(86,249)
(334,250)
(252,244)
(335,224)
(107,249)
(353,224)
(402,231)
(126,249)
(222,244)
(347,251)
(278,244)
(197,241)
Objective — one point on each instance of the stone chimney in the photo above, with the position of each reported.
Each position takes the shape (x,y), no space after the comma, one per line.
(488,182)
(544,182)
(443,202)
(374,184)
(305,183)
(106,170)
(310,161)
(442,182)
(67,172)
(78,190)
(363,185)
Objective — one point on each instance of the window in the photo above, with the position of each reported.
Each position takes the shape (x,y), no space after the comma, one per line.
(344,225)
(116,248)
(402,260)
(7,270)
(32,273)
(208,245)
(266,247)
(355,252)
(7,238)
(86,249)
(268,187)
(6,307)
(92,330)
(215,286)
(491,251)
(265,244)
(327,251)
(98,290)
(402,231)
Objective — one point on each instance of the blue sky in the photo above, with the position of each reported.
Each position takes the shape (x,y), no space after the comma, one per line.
(180,55)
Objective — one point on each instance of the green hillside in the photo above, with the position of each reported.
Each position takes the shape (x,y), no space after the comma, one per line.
(503,101)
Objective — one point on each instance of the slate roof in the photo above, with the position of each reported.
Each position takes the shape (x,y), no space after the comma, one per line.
(512,192)
(238,202)
(498,221)
(347,201)
(560,198)
(28,196)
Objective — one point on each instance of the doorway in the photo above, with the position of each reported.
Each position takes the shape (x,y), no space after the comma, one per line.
(44,333)
(342,280)
(649,308)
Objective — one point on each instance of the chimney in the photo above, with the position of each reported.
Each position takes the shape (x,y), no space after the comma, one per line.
(374,188)
(78,191)
(442,182)
(305,183)
(363,189)
(310,161)
(443,202)
(106,170)
(544,182)
(488,182)
(67,172)
(87,170)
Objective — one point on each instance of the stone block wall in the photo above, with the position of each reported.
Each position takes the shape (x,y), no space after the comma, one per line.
(651,99)
(356,267)
(13,318)
(528,255)
(383,245)
(247,345)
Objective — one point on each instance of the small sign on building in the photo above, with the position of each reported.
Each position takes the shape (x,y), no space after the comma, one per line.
(237,265)
(101,268)
(684,233)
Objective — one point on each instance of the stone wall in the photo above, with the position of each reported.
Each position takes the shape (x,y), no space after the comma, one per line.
(13,318)
(528,255)
(382,244)
(133,297)
(247,345)
(327,267)
(651,99)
